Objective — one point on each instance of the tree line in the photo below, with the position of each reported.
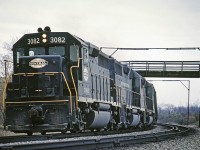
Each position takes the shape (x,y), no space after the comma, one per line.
(178,114)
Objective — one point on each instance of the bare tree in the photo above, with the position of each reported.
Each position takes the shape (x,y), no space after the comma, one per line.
(7,55)
(6,66)
(6,58)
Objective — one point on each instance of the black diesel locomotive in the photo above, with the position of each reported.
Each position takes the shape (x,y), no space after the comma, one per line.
(63,83)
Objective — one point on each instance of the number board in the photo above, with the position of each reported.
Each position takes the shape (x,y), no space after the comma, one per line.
(33,41)
(57,40)
(49,39)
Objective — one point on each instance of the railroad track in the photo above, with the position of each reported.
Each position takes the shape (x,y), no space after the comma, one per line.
(22,138)
(97,140)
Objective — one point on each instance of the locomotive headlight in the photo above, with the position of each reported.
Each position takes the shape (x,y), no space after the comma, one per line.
(44,35)
(44,40)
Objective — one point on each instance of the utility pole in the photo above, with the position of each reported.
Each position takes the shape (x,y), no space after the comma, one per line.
(5,61)
(199,117)
(188,88)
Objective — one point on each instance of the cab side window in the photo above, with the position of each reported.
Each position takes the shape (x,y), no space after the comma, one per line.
(74,53)
(20,52)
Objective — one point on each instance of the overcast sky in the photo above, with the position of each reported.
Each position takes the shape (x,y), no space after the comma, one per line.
(117,23)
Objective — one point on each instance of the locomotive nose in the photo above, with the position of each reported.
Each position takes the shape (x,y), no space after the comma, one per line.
(36,114)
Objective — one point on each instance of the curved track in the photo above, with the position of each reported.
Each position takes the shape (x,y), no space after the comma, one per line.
(58,141)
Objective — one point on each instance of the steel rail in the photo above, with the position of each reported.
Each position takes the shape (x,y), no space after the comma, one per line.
(20,138)
(103,141)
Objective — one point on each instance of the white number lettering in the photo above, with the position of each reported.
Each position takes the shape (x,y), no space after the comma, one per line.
(29,41)
(33,41)
(57,39)
(51,40)
(38,40)
(63,39)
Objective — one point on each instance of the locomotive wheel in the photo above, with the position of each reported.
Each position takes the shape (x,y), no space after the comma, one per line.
(43,132)
(64,131)
(116,128)
(75,129)
(110,127)
(140,125)
(29,133)
(92,130)
(98,130)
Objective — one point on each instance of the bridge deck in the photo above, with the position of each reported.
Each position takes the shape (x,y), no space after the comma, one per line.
(180,69)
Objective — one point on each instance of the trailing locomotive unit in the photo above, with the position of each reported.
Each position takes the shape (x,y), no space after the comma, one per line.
(61,82)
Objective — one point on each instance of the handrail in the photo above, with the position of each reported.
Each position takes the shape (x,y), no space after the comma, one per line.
(70,93)
(18,74)
(74,81)
(164,65)
(4,93)
(36,73)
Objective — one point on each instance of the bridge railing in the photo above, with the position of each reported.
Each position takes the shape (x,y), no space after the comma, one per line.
(164,65)
(167,68)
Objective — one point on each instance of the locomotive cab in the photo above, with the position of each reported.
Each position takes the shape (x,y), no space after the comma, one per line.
(42,89)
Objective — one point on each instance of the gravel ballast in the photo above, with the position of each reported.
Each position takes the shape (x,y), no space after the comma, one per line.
(191,142)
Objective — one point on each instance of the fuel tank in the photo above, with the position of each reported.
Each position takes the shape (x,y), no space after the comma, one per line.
(98,119)
(134,119)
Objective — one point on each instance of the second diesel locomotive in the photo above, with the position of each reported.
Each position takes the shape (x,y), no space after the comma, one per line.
(61,82)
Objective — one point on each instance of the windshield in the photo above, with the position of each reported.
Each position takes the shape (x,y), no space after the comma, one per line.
(57,50)
(36,51)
